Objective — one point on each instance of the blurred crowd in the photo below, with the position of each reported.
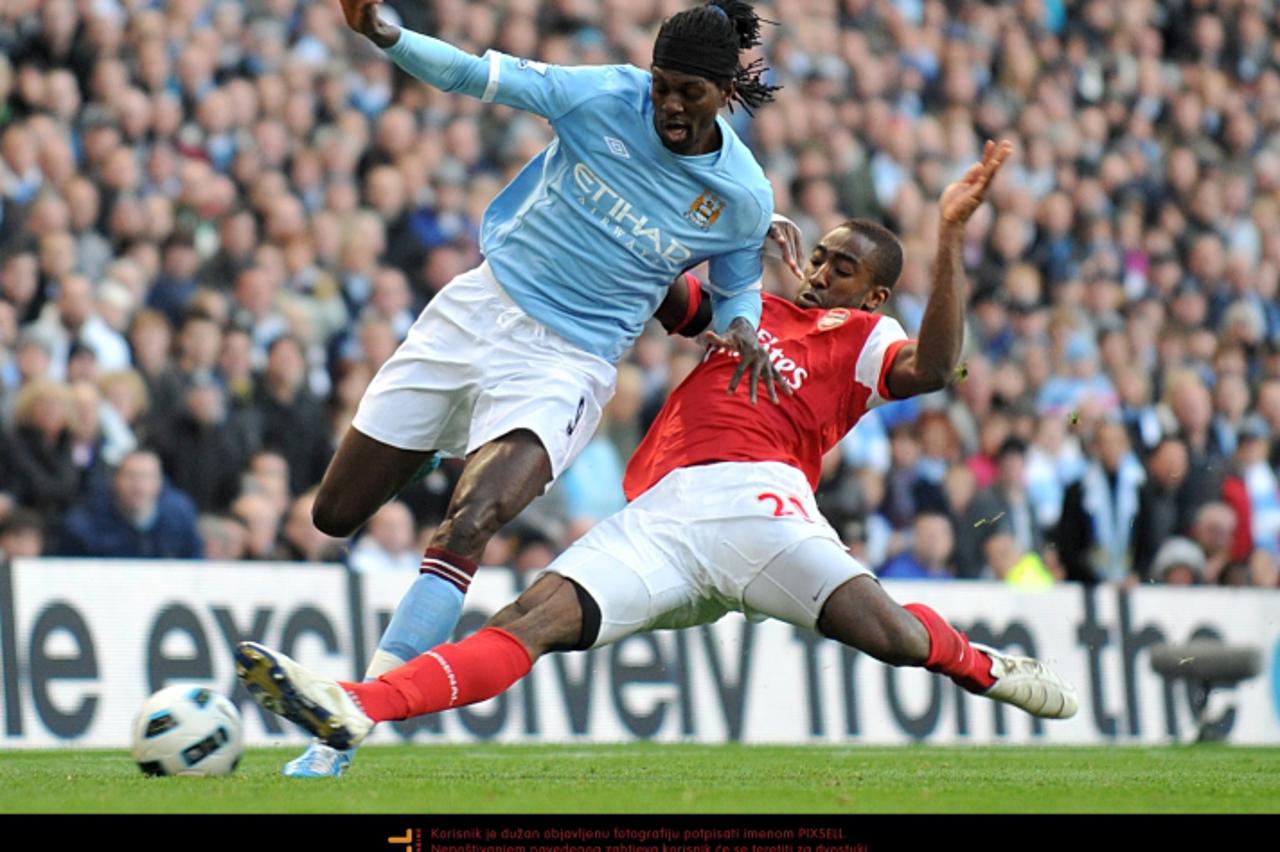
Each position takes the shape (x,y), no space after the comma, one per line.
(221,216)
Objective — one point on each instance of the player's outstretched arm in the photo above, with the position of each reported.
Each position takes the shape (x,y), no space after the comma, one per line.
(531,86)
(929,364)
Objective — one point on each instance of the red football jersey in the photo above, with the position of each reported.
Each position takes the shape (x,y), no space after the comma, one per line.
(836,362)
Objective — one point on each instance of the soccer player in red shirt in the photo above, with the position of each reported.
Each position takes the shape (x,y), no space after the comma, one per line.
(722,514)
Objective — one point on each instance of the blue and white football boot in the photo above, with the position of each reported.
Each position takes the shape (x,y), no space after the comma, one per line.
(319,761)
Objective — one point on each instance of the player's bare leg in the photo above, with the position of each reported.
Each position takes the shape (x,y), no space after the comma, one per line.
(862,615)
(548,616)
(499,480)
(364,474)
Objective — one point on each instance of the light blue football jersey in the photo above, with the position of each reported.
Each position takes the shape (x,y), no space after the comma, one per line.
(590,234)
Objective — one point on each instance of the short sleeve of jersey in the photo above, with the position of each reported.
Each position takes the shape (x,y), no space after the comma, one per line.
(876,358)
(546,90)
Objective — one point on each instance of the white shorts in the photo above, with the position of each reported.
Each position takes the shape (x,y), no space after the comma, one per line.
(708,540)
(475,367)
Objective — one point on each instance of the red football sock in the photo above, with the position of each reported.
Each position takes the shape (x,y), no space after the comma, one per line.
(950,652)
(448,565)
(451,675)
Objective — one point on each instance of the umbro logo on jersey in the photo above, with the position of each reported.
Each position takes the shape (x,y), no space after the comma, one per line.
(617,148)
(834,318)
(530,65)
(705,210)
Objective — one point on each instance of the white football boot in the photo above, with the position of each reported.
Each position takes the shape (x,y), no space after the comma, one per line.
(313,701)
(1029,684)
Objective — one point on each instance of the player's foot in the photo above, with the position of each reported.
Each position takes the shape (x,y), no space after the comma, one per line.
(1031,685)
(319,761)
(315,702)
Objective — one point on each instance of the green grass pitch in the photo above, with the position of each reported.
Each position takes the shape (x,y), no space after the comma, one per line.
(661,778)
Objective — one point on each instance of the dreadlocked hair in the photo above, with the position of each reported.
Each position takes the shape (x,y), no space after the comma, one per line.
(708,41)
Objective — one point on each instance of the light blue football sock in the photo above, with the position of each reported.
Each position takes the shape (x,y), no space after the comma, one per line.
(424,618)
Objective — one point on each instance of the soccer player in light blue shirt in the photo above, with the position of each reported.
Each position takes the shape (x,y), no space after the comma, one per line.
(643,180)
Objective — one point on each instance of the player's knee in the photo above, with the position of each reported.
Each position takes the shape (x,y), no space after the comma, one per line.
(332,518)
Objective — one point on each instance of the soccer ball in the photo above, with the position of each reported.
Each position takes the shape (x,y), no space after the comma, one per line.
(187,730)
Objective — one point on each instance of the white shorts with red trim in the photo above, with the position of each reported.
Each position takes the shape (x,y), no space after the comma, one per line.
(475,367)
(708,540)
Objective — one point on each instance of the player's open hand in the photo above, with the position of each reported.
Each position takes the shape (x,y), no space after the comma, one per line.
(786,234)
(741,338)
(362,16)
(962,198)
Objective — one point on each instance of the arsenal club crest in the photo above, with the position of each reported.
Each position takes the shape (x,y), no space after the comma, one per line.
(834,318)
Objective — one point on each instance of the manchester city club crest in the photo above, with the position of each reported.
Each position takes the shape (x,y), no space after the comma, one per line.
(705,210)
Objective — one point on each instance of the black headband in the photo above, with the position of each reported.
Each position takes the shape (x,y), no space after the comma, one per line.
(695,56)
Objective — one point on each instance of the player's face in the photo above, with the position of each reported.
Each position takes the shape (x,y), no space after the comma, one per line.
(684,111)
(835,275)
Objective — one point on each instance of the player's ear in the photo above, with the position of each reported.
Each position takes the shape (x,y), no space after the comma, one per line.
(726,94)
(875,298)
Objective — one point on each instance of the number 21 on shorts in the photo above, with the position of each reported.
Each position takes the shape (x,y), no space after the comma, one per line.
(784,507)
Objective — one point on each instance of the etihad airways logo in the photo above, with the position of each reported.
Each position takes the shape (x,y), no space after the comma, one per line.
(792,373)
(634,230)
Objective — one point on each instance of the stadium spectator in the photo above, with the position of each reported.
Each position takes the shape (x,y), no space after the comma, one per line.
(1007,562)
(125,392)
(293,423)
(301,541)
(1160,516)
(1094,534)
(1004,508)
(1213,530)
(388,543)
(201,452)
(141,517)
(198,345)
(100,438)
(223,537)
(40,472)
(1179,562)
(260,516)
(22,534)
(1192,407)
(931,553)
(913,485)
(1253,492)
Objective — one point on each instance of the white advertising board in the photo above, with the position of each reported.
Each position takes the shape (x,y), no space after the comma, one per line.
(83,643)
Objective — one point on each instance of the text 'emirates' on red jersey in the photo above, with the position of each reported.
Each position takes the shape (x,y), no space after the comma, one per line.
(835,360)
